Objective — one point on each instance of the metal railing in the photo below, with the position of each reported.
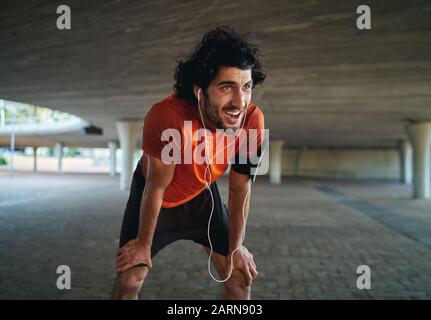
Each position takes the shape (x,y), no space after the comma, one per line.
(19,118)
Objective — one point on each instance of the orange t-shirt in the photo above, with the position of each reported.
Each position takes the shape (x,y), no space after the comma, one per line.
(189,178)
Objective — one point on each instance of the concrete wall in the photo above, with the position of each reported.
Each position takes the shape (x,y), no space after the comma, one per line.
(342,163)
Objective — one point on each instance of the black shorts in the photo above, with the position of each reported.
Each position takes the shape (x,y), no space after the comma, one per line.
(188,221)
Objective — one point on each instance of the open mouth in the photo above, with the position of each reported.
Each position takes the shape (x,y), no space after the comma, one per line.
(232,116)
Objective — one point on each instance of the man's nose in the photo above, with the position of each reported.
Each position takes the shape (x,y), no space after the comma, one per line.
(238,99)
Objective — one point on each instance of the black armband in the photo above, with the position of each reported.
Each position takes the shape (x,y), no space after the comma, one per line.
(247,165)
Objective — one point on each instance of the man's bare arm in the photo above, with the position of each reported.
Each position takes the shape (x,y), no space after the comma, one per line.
(239,202)
(159,176)
(138,251)
(238,205)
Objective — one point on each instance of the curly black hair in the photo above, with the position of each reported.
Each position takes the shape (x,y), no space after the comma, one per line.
(221,47)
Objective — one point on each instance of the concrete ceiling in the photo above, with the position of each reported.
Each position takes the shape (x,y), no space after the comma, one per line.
(329,84)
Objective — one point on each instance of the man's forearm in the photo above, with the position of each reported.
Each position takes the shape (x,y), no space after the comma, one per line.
(149,212)
(238,212)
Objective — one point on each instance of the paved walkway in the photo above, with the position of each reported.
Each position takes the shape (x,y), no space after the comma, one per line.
(308,238)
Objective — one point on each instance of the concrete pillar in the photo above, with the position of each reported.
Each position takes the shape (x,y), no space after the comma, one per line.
(12,150)
(34,159)
(405,162)
(127,133)
(275,160)
(112,149)
(420,137)
(59,154)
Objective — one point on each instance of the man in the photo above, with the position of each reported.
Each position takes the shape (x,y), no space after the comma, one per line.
(172,200)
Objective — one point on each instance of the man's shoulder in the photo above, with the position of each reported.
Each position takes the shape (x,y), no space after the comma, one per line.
(255,108)
(255,115)
(170,109)
(172,102)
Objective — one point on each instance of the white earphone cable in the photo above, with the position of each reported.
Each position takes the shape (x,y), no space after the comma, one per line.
(212,196)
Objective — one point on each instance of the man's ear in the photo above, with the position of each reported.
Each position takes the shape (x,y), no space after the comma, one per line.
(196,89)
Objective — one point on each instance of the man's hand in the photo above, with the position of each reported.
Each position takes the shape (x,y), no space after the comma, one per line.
(132,254)
(243,261)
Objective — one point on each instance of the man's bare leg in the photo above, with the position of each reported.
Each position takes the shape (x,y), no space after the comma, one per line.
(129,283)
(235,288)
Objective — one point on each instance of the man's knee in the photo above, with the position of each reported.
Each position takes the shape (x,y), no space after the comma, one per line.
(237,283)
(130,281)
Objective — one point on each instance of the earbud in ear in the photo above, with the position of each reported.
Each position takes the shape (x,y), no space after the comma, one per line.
(199,96)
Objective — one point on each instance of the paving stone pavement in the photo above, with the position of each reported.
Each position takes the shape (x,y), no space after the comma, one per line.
(308,238)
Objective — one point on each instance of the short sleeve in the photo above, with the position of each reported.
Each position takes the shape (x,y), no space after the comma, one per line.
(160,129)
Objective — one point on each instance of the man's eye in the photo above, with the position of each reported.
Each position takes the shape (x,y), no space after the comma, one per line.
(227,88)
(247,86)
